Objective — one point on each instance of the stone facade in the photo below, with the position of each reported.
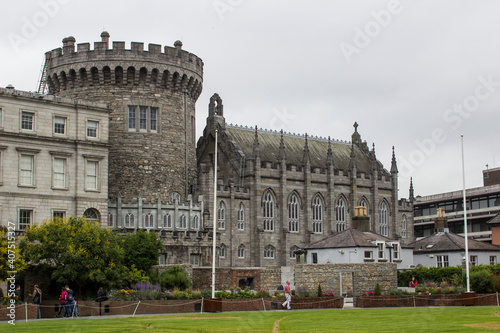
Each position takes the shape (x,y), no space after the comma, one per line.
(50,164)
(152,95)
(356,278)
(278,192)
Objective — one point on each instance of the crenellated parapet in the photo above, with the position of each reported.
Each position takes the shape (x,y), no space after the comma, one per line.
(169,69)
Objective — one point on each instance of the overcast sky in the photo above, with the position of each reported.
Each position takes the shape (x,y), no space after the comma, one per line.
(414,74)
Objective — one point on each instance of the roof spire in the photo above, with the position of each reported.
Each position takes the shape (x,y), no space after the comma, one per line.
(412,193)
(306,158)
(256,145)
(329,155)
(394,167)
(281,153)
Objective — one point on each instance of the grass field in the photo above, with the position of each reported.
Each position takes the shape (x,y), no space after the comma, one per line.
(445,319)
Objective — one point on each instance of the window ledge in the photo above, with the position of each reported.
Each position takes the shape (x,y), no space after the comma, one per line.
(382,260)
(369,260)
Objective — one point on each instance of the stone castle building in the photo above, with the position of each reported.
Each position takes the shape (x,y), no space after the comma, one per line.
(276,192)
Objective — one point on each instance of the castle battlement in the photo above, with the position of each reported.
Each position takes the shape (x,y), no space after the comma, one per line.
(173,69)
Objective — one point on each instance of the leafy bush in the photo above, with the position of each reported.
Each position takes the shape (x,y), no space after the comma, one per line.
(480,282)
(262,293)
(302,291)
(174,277)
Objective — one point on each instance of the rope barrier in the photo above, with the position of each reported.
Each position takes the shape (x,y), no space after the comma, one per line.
(136,308)
(163,305)
(263,304)
(202,299)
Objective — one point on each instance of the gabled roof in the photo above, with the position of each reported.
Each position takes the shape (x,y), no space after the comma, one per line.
(446,242)
(349,238)
(269,143)
(495,220)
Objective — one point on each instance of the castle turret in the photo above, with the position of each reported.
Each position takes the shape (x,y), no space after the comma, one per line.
(152,94)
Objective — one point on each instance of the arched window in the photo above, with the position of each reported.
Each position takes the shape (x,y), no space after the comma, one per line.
(340,214)
(167,221)
(129,220)
(196,222)
(182,222)
(92,214)
(293,213)
(241,251)
(111,222)
(269,252)
(384,229)
(222,251)
(148,220)
(403,226)
(364,203)
(292,251)
(241,216)
(317,210)
(221,215)
(268,211)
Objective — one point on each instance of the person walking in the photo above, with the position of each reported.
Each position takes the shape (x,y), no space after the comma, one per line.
(63,299)
(288,296)
(37,299)
(73,310)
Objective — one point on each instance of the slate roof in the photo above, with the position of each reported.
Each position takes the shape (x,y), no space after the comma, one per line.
(446,242)
(495,220)
(269,143)
(348,238)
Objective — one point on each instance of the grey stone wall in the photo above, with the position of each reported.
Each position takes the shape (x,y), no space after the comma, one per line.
(356,278)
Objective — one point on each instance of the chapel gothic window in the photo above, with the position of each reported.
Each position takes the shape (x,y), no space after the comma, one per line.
(403,226)
(129,220)
(384,229)
(293,213)
(221,215)
(241,216)
(317,210)
(269,252)
(340,214)
(268,213)
(241,251)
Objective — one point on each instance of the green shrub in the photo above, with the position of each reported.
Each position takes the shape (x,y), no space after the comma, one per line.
(174,277)
(320,292)
(377,290)
(480,281)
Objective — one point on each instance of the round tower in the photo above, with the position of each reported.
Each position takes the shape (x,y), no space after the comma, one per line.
(152,94)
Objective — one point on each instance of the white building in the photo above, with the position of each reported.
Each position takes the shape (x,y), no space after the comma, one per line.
(355,246)
(444,249)
(53,158)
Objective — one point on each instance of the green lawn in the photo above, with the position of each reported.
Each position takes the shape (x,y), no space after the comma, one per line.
(445,319)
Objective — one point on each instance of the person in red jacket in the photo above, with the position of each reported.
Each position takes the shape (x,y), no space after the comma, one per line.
(64,303)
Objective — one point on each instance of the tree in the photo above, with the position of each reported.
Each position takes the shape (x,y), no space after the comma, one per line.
(141,250)
(78,251)
(10,257)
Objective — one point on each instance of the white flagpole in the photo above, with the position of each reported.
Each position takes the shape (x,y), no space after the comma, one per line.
(465,219)
(214,217)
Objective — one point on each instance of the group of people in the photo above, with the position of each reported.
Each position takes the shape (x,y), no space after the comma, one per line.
(68,303)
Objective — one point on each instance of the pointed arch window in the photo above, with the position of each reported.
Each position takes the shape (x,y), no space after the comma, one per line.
(241,251)
(403,226)
(364,203)
(269,252)
(148,220)
(292,251)
(241,216)
(340,215)
(317,210)
(268,211)
(196,222)
(167,221)
(384,228)
(293,213)
(129,220)
(182,222)
(221,215)
(223,250)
